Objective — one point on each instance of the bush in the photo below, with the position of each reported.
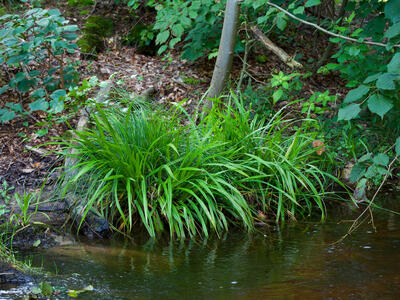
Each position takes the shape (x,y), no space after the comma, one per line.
(30,44)
(96,29)
(143,167)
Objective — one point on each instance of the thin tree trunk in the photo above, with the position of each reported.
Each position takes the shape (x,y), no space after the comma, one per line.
(226,49)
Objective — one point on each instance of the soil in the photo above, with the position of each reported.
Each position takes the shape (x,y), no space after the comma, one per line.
(25,169)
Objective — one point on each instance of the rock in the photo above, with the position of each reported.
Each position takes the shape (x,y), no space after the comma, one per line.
(10,275)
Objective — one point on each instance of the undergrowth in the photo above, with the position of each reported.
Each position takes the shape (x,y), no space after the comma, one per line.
(162,170)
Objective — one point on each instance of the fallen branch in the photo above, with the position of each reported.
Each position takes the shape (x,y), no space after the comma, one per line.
(329,32)
(286,58)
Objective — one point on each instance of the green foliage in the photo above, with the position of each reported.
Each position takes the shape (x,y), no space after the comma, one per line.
(5,189)
(137,166)
(37,40)
(99,25)
(96,29)
(24,202)
(142,36)
(91,43)
(80,3)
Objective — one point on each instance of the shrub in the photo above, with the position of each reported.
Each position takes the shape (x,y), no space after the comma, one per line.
(29,44)
(142,167)
(96,29)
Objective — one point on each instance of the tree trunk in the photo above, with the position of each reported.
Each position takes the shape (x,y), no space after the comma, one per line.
(226,49)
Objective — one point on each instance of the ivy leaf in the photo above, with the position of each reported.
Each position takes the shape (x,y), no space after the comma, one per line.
(40,104)
(398,146)
(356,94)
(381,159)
(386,82)
(379,104)
(357,172)
(311,3)
(349,112)
(394,64)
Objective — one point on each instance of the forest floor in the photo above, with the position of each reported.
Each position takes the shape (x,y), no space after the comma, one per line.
(174,80)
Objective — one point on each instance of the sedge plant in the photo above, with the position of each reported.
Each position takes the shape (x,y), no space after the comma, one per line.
(144,168)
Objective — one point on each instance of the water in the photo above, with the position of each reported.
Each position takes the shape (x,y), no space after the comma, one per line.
(297,262)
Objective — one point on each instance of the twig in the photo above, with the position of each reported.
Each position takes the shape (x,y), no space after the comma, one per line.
(357,222)
(329,32)
(286,58)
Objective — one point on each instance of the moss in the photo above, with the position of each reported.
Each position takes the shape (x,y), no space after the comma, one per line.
(84,12)
(3,10)
(91,43)
(99,25)
(142,37)
(80,3)
(193,81)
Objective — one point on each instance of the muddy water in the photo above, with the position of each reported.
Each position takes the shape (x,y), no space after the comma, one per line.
(295,262)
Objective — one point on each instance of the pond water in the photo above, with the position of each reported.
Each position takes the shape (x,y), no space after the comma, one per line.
(295,262)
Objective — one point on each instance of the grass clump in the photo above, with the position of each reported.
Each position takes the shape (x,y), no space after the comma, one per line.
(144,168)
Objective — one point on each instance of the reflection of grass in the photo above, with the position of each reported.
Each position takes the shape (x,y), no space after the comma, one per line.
(143,167)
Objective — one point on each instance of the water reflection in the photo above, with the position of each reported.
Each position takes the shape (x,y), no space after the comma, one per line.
(296,262)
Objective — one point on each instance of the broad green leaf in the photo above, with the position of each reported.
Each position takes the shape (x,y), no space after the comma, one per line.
(36,243)
(56,95)
(38,93)
(365,157)
(379,104)
(15,107)
(381,159)
(162,37)
(394,64)
(177,30)
(357,172)
(70,28)
(277,95)
(393,31)
(40,104)
(46,288)
(56,105)
(25,85)
(162,49)
(392,10)
(69,36)
(299,10)
(281,21)
(356,94)
(349,112)
(372,78)
(311,3)
(7,116)
(397,146)
(4,88)
(386,81)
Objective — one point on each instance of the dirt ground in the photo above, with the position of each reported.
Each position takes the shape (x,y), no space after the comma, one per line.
(25,169)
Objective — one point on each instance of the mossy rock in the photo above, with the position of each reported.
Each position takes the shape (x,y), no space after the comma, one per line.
(142,37)
(80,3)
(91,43)
(3,10)
(99,25)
